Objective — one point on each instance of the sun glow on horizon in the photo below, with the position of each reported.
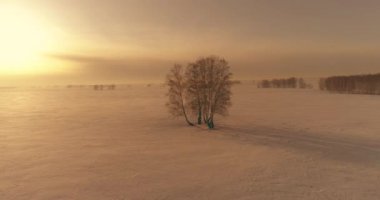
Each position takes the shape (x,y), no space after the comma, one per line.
(24,39)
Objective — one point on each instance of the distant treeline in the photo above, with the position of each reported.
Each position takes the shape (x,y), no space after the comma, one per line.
(284,83)
(104,87)
(356,84)
(95,87)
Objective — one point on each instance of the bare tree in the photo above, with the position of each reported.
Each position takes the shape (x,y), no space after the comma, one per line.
(214,87)
(205,89)
(177,89)
(194,89)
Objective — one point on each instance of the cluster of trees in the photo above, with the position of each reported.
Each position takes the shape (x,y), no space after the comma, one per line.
(357,84)
(284,83)
(200,90)
(75,86)
(104,87)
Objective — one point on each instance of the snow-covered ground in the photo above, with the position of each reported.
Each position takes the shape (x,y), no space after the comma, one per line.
(276,144)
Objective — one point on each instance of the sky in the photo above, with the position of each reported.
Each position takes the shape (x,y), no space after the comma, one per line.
(91,41)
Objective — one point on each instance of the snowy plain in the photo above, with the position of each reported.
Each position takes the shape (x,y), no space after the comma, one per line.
(275,144)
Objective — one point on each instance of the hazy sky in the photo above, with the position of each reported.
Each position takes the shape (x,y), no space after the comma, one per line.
(134,40)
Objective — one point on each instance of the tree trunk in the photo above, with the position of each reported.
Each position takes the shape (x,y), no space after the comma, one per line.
(210,123)
(184,112)
(199,112)
(199,116)
(188,122)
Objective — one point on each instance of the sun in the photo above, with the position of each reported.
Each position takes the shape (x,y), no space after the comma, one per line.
(23,41)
